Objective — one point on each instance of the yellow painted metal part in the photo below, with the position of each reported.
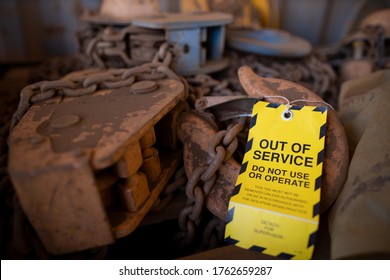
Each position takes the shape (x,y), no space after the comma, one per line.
(253,14)
(269,12)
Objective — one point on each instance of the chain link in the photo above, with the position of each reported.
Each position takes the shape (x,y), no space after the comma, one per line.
(201,85)
(202,179)
(179,181)
(109,43)
(213,233)
(312,72)
(88,83)
(163,55)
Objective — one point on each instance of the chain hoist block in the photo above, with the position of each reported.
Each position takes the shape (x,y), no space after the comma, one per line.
(190,43)
(87,168)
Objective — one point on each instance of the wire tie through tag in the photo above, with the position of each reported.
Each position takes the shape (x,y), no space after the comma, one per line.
(310,101)
(288,114)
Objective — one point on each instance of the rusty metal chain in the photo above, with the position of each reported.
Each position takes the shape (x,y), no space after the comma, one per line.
(163,55)
(312,72)
(221,147)
(88,83)
(213,233)
(178,182)
(202,85)
(109,43)
(202,179)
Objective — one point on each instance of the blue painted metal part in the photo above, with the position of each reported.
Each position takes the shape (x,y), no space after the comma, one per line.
(269,42)
(199,39)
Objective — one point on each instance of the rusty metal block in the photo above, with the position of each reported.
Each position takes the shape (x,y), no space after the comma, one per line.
(131,161)
(61,151)
(104,183)
(151,164)
(148,139)
(124,223)
(60,198)
(134,191)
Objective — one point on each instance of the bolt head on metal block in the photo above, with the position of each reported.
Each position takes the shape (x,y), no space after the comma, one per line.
(144,87)
(65,121)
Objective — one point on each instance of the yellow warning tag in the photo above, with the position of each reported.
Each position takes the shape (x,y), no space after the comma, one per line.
(274,208)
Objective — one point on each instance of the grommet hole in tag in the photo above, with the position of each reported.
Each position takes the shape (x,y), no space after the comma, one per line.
(287,115)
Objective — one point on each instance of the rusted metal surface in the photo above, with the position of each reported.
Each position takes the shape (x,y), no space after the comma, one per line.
(206,173)
(67,193)
(149,139)
(311,71)
(151,164)
(130,161)
(123,222)
(135,191)
(166,128)
(195,133)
